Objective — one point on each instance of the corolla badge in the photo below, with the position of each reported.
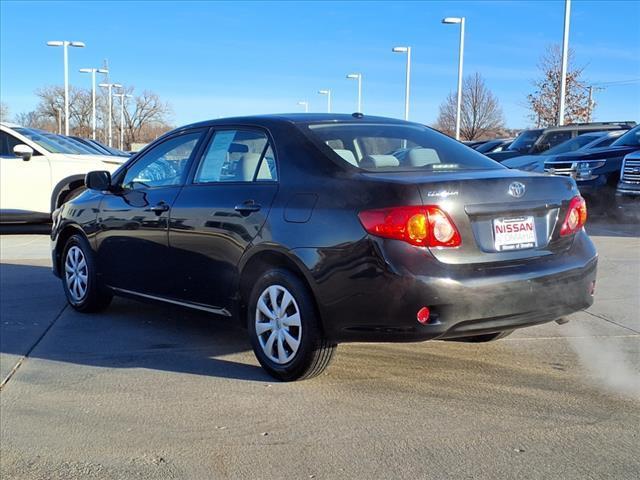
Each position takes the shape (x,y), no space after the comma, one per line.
(517,189)
(442,194)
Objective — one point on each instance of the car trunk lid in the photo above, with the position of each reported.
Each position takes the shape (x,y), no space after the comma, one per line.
(485,204)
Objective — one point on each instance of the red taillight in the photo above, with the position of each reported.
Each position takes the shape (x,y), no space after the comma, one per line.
(576,216)
(423,315)
(426,226)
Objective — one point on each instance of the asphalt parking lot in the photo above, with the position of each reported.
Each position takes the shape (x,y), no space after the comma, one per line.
(143,391)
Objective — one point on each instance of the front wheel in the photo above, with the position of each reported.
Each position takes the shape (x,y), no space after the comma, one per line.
(284,328)
(79,279)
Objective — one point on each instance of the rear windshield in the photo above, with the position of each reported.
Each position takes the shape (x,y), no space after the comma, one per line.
(391,147)
(629,139)
(572,145)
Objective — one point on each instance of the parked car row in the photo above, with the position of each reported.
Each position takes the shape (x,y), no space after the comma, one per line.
(539,140)
(40,170)
(592,154)
(489,146)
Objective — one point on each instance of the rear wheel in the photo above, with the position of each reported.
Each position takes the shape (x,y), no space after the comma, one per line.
(487,337)
(79,279)
(284,328)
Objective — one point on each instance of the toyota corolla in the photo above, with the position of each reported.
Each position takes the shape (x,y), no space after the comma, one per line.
(312,230)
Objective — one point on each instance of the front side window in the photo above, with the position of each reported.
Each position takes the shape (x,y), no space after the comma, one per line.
(164,164)
(551,139)
(237,156)
(525,140)
(389,147)
(7,142)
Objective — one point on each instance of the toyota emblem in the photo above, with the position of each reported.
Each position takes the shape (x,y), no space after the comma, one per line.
(516,189)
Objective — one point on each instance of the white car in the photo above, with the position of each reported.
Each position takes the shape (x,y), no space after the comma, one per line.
(40,171)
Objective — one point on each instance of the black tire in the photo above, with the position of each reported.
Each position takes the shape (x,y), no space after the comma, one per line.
(314,352)
(487,337)
(96,296)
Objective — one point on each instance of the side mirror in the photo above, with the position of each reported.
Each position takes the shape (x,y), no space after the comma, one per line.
(23,151)
(98,180)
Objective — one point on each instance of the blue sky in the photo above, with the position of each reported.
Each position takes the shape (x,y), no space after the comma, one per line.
(211,59)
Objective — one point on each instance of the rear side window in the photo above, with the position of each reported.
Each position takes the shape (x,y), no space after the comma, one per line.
(237,156)
(389,147)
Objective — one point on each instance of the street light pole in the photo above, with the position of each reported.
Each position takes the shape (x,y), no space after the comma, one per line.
(458,20)
(122,97)
(357,76)
(406,50)
(565,53)
(110,87)
(65,44)
(328,94)
(305,104)
(93,72)
(59,111)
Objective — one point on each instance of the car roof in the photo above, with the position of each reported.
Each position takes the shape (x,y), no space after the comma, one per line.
(10,125)
(595,126)
(298,118)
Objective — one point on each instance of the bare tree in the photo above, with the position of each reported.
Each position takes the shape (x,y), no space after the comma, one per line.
(33,119)
(481,114)
(52,104)
(145,118)
(544,102)
(4,112)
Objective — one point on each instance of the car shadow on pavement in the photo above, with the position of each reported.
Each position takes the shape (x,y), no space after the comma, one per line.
(128,334)
(26,229)
(605,226)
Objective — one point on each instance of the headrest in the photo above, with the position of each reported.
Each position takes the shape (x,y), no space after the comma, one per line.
(419,157)
(238,148)
(246,167)
(347,155)
(379,161)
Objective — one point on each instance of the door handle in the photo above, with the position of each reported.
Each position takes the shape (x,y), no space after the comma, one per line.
(247,207)
(158,209)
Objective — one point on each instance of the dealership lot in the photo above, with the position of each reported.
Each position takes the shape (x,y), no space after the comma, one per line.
(146,391)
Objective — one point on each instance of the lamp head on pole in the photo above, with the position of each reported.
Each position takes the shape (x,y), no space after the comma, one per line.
(55,43)
(400,49)
(452,20)
(77,44)
(354,76)
(324,92)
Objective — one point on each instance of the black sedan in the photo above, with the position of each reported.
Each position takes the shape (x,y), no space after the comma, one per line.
(311,230)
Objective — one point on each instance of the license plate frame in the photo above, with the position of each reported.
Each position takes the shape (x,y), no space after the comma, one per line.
(514,233)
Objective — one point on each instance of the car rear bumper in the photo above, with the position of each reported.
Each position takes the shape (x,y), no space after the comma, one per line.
(463,300)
